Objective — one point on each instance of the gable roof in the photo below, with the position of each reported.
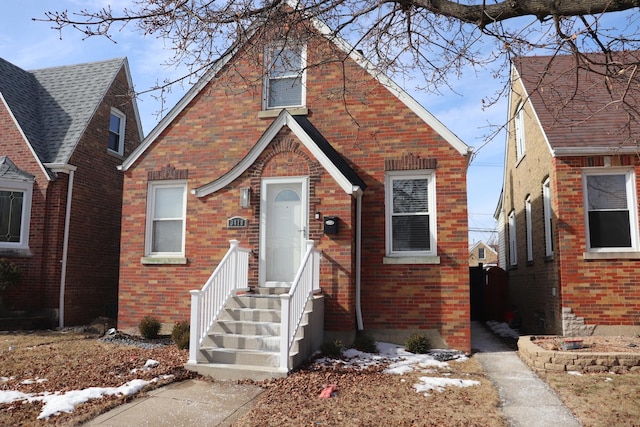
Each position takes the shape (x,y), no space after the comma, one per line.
(328,157)
(342,44)
(8,170)
(53,106)
(577,111)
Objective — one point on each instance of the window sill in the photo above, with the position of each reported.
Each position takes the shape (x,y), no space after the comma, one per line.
(411,260)
(549,258)
(611,255)
(294,111)
(115,153)
(14,252)
(163,260)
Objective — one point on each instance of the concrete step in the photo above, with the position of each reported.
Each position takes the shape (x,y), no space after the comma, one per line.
(251,314)
(246,328)
(254,301)
(236,372)
(233,356)
(245,342)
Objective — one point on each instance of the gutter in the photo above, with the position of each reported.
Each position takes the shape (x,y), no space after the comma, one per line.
(358,259)
(70,170)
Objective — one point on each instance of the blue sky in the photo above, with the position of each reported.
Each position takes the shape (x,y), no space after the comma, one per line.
(32,45)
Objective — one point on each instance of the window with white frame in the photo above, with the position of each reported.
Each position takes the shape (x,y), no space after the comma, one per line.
(116,131)
(15,214)
(548,218)
(527,215)
(513,247)
(610,209)
(285,76)
(411,213)
(481,254)
(166,214)
(518,123)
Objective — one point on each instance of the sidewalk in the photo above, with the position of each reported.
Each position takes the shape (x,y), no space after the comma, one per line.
(527,401)
(189,403)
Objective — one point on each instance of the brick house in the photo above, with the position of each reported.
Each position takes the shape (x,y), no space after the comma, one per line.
(63,132)
(294,157)
(568,209)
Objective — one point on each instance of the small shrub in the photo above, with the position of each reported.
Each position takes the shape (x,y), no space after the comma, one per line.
(9,274)
(149,327)
(418,344)
(180,334)
(365,343)
(332,348)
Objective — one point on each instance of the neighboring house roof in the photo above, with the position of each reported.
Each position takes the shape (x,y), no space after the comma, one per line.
(342,44)
(330,159)
(53,106)
(578,112)
(484,245)
(8,170)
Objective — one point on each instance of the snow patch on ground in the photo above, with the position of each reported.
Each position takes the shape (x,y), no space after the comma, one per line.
(400,362)
(57,402)
(502,329)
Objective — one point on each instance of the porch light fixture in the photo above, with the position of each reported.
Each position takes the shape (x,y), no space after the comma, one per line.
(245,197)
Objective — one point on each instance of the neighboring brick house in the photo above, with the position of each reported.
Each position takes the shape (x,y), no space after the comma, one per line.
(63,132)
(338,143)
(481,253)
(569,209)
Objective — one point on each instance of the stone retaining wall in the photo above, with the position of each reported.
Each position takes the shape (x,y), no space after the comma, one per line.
(539,358)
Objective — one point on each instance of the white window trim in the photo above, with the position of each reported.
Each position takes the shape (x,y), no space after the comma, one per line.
(303,77)
(25,222)
(430,175)
(527,213)
(632,205)
(123,126)
(513,242)
(548,215)
(152,186)
(519,132)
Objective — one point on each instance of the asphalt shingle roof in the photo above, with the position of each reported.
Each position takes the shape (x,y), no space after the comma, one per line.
(53,106)
(579,109)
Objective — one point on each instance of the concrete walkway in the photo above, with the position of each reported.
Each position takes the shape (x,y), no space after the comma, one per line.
(189,403)
(527,401)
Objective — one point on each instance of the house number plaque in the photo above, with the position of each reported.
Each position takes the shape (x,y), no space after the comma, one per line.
(237,222)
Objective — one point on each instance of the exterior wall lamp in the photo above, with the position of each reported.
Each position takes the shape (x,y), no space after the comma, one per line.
(245,197)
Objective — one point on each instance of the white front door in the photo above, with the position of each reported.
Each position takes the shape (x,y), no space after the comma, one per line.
(283,229)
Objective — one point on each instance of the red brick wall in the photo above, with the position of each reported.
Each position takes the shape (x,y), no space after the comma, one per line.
(31,293)
(216,130)
(603,291)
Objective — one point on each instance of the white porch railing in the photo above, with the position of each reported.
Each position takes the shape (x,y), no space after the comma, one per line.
(306,282)
(232,273)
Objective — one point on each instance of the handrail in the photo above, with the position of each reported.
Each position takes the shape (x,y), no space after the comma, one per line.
(306,282)
(206,304)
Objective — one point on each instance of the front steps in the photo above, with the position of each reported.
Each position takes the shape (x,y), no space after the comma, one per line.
(244,343)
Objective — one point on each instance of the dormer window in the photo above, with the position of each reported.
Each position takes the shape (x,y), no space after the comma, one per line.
(285,76)
(116,132)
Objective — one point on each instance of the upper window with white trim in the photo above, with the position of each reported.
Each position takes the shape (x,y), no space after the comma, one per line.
(166,218)
(610,210)
(411,213)
(548,218)
(513,241)
(117,122)
(518,123)
(285,76)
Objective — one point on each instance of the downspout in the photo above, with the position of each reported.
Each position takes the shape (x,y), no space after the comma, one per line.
(358,258)
(70,170)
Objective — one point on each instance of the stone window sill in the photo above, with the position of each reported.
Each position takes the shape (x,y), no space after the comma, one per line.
(163,260)
(611,255)
(411,260)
